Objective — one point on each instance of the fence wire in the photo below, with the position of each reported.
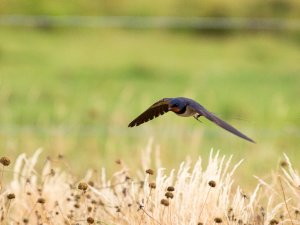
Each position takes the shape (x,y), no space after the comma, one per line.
(198,23)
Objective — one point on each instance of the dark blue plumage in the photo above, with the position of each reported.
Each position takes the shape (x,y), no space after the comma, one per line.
(183,107)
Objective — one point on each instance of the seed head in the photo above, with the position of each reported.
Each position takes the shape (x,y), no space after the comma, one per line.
(244,195)
(41,200)
(169,194)
(77,197)
(52,172)
(5,161)
(150,171)
(165,202)
(82,186)
(91,183)
(170,188)
(152,185)
(283,163)
(11,196)
(212,183)
(262,210)
(218,220)
(281,216)
(90,220)
(273,222)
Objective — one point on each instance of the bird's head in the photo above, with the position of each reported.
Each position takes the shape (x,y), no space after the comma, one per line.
(176,105)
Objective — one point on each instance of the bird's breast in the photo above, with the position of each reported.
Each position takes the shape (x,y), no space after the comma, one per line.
(187,112)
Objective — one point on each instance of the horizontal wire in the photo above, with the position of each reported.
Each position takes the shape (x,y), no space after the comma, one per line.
(151,22)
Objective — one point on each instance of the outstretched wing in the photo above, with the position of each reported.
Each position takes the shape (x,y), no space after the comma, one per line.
(157,109)
(204,112)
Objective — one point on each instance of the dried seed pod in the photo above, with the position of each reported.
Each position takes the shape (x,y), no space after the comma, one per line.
(41,200)
(212,183)
(52,172)
(152,185)
(165,202)
(5,161)
(244,195)
(90,220)
(142,183)
(273,222)
(82,186)
(150,171)
(283,163)
(170,188)
(262,210)
(169,194)
(281,216)
(11,196)
(218,220)
(77,197)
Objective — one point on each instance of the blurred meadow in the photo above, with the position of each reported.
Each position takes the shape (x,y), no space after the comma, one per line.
(72,90)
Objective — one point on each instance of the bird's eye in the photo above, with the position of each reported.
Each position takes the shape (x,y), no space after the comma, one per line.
(175,105)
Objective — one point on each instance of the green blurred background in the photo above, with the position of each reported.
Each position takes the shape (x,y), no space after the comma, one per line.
(73,89)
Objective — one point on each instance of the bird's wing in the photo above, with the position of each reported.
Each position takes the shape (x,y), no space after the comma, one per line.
(158,108)
(204,112)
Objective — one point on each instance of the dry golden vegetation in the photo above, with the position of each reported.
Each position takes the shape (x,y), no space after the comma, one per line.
(189,194)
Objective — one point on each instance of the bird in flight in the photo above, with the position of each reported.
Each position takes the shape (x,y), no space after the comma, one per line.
(183,107)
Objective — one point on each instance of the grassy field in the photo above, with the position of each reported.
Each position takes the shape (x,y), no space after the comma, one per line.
(74,91)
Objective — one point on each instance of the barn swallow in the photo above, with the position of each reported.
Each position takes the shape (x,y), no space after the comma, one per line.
(183,107)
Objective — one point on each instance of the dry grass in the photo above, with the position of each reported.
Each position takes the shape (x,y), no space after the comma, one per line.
(188,195)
